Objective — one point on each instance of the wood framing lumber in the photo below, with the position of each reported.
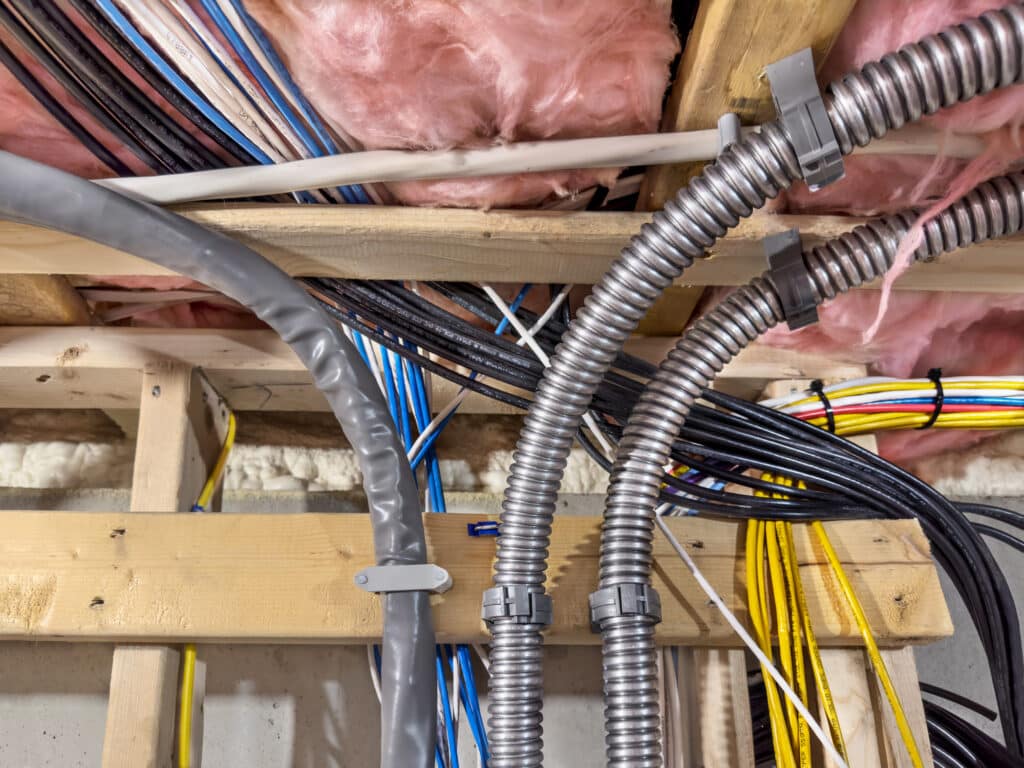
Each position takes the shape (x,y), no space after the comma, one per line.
(41,300)
(290,578)
(419,244)
(254,370)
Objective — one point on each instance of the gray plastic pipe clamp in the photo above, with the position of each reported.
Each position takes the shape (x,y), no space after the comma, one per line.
(802,113)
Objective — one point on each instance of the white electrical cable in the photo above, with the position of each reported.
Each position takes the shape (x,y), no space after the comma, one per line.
(525,157)
(374,675)
(766,663)
(588,418)
(190,58)
(948,384)
(436,422)
(482,655)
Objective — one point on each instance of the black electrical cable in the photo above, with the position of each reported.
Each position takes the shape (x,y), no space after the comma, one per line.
(69,82)
(724,437)
(97,78)
(157,81)
(956,698)
(175,147)
(60,114)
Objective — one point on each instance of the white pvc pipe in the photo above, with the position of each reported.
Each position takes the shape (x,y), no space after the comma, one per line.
(384,165)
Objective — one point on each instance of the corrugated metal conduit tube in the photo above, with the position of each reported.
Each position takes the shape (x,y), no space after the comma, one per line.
(632,716)
(957,64)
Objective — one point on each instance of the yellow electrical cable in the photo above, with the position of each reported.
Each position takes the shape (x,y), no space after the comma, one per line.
(872,647)
(778,590)
(188,663)
(188,682)
(218,468)
(896,386)
(756,598)
(817,667)
(803,732)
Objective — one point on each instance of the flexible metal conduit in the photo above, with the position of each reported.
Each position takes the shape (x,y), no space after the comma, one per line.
(941,70)
(40,195)
(632,715)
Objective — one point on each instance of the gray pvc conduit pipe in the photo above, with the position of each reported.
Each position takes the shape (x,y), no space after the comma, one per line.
(632,717)
(957,64)
(40,195)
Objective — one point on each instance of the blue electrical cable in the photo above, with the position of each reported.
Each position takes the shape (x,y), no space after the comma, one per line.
(471,700)
(133,36)
(267,84)
(308,113)
(499,329)
(1014,402)
(421,414)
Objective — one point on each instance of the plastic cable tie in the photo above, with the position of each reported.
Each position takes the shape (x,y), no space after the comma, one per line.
(792,281)
(518,602)
(624,600)
(935,376)
(801,110)
(425,577)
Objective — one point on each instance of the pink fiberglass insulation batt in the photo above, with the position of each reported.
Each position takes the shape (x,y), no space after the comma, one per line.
(435,74)
(963,333)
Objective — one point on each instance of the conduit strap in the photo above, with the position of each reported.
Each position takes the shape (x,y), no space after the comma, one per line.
(801,110)
(517,602)
(792,280)
(624,600)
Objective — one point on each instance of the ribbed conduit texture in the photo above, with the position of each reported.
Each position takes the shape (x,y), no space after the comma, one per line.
(955,65)
(632,715)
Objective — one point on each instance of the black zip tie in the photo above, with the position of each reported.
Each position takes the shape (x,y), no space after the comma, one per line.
(935,375)
(818,388)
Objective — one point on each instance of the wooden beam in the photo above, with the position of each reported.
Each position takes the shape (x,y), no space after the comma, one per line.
(41,300)
(536,246)
(178,439)
(722,69)
(254,370)
(289,578)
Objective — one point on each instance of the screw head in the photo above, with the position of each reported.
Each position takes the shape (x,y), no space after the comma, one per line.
(361,578)
(155,391)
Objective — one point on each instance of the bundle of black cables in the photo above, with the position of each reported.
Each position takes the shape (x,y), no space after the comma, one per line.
(723,437)
(955,742)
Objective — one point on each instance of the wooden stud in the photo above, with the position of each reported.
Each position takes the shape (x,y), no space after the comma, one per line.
(177,443)
(427,244)
(903,672)
(722,69)
(140,716)
(848,674)
(41,300)
(290,578)
(726,730)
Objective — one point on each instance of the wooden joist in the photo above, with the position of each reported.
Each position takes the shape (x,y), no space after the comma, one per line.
(254,370)
(40,300)
(722,69)
(290,579)
(536,246)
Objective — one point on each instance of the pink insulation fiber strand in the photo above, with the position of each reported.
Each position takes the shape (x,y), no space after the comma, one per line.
(436,74)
